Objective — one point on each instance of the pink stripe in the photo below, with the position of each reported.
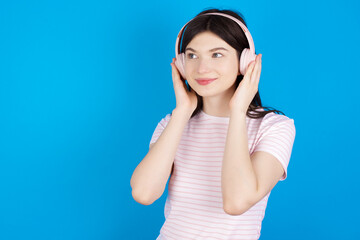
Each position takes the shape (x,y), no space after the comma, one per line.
(194,203)
(180,227)
(233,230)
(205,218)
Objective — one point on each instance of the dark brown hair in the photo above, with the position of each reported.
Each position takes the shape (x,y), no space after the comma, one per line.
(231,33)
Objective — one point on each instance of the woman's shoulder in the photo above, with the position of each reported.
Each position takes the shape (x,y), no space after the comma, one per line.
(271,118)
(276,117)
(275,120)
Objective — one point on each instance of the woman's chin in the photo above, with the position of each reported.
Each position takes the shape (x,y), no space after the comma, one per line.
(206,93)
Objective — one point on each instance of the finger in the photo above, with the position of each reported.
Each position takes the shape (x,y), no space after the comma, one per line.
(259,72)
(176,76)
(249,70)
(177,72)
(174,70)
(256,69)
(173,73)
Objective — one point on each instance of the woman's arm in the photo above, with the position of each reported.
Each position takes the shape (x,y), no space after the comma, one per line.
(149,179)
(245,179)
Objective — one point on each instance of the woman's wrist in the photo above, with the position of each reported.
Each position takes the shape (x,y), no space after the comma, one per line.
(238,112)
(182,112)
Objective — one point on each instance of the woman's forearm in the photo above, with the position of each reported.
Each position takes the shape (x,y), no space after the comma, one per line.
(238,179)
(149,178)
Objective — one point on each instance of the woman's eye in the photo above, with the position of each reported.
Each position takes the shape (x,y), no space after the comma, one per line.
(190,54)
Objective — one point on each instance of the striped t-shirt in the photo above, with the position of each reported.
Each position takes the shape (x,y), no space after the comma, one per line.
(194,207)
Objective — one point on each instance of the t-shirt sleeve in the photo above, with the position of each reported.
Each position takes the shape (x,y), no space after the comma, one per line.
(160,128)
(278,140)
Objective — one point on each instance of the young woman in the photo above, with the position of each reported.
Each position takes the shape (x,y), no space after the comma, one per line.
(223,150)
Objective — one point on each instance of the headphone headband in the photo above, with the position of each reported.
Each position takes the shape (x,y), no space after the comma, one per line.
(243,27)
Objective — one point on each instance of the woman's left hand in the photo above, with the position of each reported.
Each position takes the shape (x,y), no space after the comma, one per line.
(247,88)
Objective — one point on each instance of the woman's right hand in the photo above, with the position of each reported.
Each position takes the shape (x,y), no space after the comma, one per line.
(185,100)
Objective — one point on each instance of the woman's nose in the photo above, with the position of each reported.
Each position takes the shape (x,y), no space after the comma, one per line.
(203,66)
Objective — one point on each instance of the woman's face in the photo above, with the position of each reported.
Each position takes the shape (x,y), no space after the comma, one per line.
(205,59)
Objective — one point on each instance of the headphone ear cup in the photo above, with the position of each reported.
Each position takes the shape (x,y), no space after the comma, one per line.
(180,64)
(245,59)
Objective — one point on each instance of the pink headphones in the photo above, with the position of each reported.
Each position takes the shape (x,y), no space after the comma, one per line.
(247,55)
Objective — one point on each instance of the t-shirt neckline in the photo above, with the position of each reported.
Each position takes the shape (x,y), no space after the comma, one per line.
(216,118)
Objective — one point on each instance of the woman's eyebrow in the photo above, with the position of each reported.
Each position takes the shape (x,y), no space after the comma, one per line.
(211,50)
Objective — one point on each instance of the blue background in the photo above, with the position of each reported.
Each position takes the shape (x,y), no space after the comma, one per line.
(83,85)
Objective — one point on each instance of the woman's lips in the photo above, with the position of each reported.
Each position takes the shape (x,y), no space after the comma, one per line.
(205,81)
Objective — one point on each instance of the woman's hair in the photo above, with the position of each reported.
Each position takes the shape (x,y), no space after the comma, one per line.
(231,33)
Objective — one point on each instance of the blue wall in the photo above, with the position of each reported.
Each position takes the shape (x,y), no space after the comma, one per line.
(83,85)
